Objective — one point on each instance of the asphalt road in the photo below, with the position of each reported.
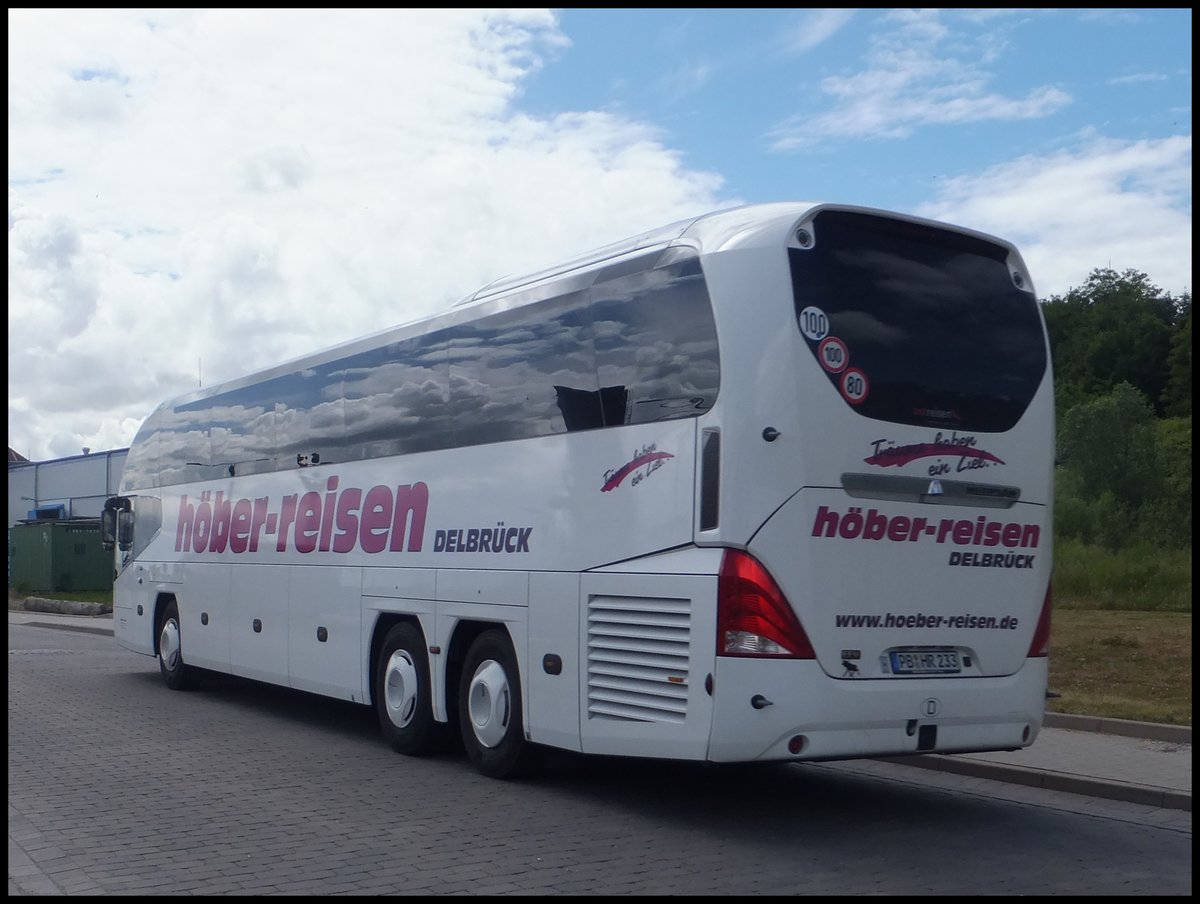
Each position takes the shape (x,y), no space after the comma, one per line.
(118,786)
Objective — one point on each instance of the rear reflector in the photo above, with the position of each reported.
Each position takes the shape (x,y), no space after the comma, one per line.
(1040,645)
(754,618)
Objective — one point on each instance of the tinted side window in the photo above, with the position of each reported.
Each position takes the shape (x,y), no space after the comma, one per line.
(184,447)
(146,523)
(656,344)
(243,431)
(933,329)
(310,426)
(396,398)
(142,463)
(525,372)
(637,347)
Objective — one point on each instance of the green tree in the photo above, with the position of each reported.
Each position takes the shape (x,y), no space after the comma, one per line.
(1111,444)
(1167,521)
(1177,397)
(1117,328)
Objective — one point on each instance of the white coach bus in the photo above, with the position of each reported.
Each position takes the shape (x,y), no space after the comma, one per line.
(773,483)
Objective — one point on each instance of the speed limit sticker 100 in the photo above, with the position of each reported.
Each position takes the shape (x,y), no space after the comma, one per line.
(814,324)
(833,354)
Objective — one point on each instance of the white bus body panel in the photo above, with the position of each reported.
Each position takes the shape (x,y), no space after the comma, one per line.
(259,622)
(134,593)
(556,505)
(784,387)
(567,502)
(838,556)
(593,554)
(553,700)
(325,632)
(207,626)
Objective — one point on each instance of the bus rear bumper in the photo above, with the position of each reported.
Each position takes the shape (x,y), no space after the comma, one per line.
(792,710)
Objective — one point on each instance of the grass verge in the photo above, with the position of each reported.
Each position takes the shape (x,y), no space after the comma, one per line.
(1142,578)
(1122,665)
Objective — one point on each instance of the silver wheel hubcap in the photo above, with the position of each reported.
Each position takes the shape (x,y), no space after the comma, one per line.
(489,703)
(400,689)
(168,644)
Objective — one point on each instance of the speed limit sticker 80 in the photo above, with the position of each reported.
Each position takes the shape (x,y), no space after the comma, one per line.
(854,386)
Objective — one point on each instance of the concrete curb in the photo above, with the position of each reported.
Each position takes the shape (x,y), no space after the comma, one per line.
(1154,731)
(1147,795)
(1129,792)
(78,629)
(66,607)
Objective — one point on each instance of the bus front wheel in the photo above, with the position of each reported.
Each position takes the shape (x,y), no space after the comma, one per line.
(489,709)
(177,674)
(403,698)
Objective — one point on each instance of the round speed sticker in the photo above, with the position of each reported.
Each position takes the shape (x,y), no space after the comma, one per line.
(814,324)
(855,386)
(833,354)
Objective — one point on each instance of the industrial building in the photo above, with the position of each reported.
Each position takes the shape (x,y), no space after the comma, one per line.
(53,520)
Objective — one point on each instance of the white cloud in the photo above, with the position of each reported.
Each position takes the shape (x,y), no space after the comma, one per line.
(815,27)
(220,190)
(912,80)
(1139,78)
(1118,204)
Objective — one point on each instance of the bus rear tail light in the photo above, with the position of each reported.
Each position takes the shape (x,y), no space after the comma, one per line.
(1040,645)
(754,618)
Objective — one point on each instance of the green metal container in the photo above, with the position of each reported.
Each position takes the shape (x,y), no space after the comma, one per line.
(58,556)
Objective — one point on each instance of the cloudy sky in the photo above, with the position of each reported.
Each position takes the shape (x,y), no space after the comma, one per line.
(194,195)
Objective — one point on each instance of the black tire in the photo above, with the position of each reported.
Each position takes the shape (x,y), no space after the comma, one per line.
(490,714)
(403,698)
(176,673)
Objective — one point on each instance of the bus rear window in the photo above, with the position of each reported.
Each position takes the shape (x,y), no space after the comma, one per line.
(918,325)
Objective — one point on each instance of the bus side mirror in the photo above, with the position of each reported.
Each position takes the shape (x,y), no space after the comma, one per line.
(125,529)
(116,524)
(108,529)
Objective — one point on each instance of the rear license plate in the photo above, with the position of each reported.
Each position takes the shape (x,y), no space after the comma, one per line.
(925,662)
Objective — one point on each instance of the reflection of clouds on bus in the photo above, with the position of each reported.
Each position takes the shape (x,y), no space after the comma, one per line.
(395,398)
(317,427)
(867,329)
(242,434)
(520,366)
(504,370)
(651,336)
(410,392)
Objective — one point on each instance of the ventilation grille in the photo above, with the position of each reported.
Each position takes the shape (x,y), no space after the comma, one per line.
(638,658)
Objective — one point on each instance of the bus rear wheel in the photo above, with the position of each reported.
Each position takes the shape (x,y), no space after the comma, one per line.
(176,673)
(489,709)
(403,697)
